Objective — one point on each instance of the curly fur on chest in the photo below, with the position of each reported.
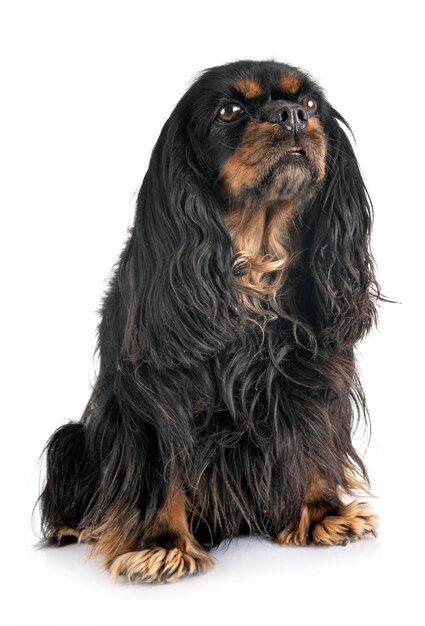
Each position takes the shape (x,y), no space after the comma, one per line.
(261,246)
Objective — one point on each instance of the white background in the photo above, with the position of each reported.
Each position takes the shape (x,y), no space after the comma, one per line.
(86,88)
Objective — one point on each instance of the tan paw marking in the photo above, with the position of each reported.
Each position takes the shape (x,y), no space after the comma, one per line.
(160,565)
(351,523)
(66,535)
(355,521)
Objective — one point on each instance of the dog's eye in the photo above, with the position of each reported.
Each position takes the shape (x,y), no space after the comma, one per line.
(309,103)
(230,112)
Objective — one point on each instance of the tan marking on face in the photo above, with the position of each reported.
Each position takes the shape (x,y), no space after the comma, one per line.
(260,147)
(237,174)
(291,83)
(245,167)
(248,87)
(317,145)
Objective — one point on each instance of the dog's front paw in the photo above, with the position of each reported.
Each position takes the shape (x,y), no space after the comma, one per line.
(355,521)
(160,565)
(339,527)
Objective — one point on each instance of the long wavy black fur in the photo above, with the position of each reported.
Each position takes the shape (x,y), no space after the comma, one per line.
(188,387)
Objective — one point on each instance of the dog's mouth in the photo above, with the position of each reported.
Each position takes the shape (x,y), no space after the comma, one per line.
(296,152)
(288,156)
(290,173)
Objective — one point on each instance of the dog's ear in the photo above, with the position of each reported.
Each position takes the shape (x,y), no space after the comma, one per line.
(343,285)
(173,283)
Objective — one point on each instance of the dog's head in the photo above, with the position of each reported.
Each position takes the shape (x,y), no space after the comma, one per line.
(258,131)
(252,177)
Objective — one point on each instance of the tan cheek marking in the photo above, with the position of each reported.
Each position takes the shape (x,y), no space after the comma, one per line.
(314,124)
(318,145)
(248,87)
(291,83)
(245,166)
(235,175)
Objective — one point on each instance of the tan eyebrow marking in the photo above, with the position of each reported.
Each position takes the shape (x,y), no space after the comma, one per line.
(291,83)
(248,87)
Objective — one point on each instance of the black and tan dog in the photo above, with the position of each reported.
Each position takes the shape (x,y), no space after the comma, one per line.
(227,389)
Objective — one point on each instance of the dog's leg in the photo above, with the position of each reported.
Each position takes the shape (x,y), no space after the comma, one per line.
(326,520)
(166,551)
(63,500)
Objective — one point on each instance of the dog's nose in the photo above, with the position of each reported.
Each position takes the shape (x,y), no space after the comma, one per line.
(291,116)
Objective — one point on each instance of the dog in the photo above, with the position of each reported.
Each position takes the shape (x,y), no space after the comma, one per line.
(227,391)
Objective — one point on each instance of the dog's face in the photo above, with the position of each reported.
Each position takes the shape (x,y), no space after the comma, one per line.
(257,134)
(259,127)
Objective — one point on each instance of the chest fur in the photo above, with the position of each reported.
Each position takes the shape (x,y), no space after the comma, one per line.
(261,247)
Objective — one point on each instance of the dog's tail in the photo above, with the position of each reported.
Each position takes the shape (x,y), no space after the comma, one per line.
(66,489)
